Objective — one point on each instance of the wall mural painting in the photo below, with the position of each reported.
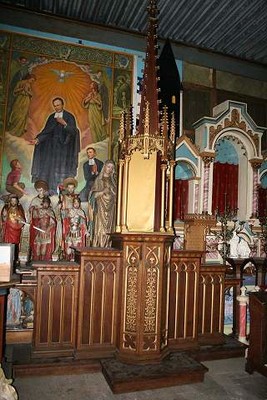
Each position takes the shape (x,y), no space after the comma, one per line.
(2,109)
(95,86)
(4,46)
(115,139)
(122,92)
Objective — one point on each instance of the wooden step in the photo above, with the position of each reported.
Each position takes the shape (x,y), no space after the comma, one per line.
(176,369)
(65,367)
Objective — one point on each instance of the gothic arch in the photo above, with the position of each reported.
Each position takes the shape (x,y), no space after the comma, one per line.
(185,185)
(239,136)
(246,150)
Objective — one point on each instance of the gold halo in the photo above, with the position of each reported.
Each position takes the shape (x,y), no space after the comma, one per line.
(41,184)
(70,181)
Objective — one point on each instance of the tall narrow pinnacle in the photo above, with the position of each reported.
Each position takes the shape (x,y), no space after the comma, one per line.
(149,94)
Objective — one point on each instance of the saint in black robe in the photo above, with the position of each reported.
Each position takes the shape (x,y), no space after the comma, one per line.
(55,156)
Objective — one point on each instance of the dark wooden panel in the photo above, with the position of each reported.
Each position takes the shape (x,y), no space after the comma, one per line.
(42,312)
(98,301)
(183,298)
(211,304)
(257,351)
(2,317)
(56,308)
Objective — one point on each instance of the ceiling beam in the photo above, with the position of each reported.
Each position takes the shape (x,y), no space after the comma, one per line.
(133,41)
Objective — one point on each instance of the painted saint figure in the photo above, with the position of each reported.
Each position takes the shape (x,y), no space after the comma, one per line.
(19,114)
(13,184)
(68,194)
(13,219)
(98,77)
(44,241)
(66,198)
(102,206)
(91,169)
(57,148)
(36,203)
(96,119)
(76,228)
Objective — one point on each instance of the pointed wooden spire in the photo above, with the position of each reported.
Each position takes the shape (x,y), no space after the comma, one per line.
(152,133)
(149,92)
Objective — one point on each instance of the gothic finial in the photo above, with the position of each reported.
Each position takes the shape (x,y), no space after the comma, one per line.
(146,122)
(164,122)
(172,131)
(150,81)
(122,127)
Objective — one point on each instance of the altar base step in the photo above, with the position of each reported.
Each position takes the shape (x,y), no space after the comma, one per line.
(59,367)
(177,369)
(230,348)
(18,362)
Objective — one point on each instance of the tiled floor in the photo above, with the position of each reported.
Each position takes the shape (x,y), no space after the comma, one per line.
(225,380)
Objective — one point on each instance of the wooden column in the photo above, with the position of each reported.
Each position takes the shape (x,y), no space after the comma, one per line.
(144,305)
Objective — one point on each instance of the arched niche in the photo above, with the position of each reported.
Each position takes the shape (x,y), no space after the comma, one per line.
(232,147)
(185,180)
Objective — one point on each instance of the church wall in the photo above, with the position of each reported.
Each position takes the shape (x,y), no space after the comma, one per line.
(206,87)
(197,74)
(241,85)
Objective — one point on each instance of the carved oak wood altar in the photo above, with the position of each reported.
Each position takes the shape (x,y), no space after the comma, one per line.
(139,301)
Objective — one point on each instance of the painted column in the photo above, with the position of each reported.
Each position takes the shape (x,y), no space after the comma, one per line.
(196,197)
(118,223)
(207,159)
(255,165)
(125,193)
(163,189)
(171,183)
(206,188)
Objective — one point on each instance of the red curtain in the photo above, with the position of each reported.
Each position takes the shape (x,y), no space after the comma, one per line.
(180,198)
(225,187)
(262,202)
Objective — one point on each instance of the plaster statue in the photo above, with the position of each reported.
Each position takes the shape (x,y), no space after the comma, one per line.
(239,243)
(7,392)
